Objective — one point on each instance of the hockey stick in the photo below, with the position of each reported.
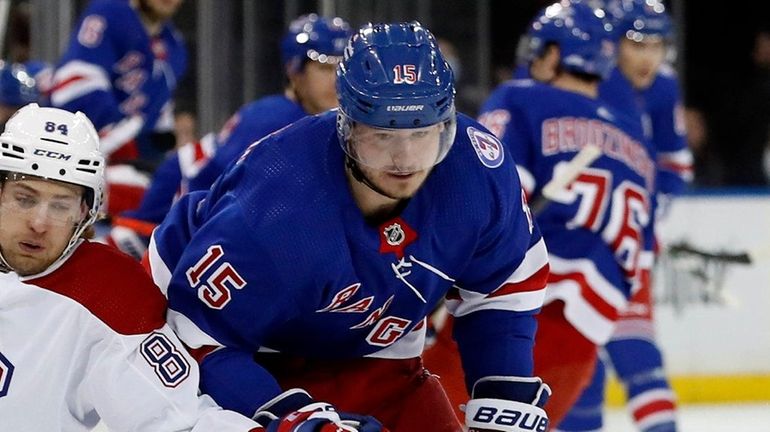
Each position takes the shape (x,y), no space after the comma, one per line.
(585,157)
(710,271)
(684,248)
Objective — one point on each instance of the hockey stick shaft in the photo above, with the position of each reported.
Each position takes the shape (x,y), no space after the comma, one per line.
(584,158)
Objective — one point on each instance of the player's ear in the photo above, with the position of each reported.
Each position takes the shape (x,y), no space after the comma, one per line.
(84,208)
(552,55)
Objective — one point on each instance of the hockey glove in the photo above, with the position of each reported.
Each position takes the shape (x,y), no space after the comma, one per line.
(127,241)
(507,404)
(295,411)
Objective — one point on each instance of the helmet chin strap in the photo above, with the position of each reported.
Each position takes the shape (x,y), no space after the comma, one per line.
(4,266)
(361,178)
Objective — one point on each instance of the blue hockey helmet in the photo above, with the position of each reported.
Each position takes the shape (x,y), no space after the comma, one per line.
(394,77)
(17,85)
(314,38)
(583,34)
(638,19)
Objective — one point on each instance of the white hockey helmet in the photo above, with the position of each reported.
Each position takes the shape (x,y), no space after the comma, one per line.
(55,144)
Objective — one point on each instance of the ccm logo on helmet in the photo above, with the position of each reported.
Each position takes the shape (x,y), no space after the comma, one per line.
(403,108)
(52,154)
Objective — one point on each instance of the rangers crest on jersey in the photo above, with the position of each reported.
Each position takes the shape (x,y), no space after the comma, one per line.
(487,147)
(6,371)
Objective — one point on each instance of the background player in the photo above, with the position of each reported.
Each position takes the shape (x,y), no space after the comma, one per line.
(81,345)
(644,34)
(310,51)
(323,248)
(18,87)
(121,67)
(594,228)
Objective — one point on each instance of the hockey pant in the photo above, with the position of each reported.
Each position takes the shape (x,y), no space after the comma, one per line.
(564,359)
(442,358)
(401,394)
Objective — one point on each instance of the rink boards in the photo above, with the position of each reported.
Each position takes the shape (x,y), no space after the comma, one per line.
(712,291)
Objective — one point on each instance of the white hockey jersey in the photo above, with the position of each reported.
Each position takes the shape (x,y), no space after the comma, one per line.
(64,365)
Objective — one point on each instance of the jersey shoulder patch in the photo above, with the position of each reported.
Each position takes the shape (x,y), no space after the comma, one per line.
(487,147)
(111,285)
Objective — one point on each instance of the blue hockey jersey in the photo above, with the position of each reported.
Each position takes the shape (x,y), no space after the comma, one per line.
(660,109)
(277,256)
(594,228)
(249,124)
(119,76)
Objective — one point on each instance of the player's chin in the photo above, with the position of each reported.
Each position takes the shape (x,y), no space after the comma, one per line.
(644,81)
(165,11)
(26,266)
(403,186)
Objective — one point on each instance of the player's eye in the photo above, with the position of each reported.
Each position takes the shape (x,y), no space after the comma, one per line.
(25,201)
(61,207)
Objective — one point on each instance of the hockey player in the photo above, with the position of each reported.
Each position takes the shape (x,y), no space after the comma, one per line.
(84,333)
(314,259)
(594,227)
(122,65)
(644,35)
(84,336)
(644,86)
(310,51)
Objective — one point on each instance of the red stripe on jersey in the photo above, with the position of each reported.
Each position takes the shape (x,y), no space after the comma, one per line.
(674,166)
(594,299)
(65,83)
(652,408)
(535,282)
(200,353)
(199,153)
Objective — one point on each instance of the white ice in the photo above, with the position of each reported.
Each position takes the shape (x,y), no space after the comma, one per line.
(692,418)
